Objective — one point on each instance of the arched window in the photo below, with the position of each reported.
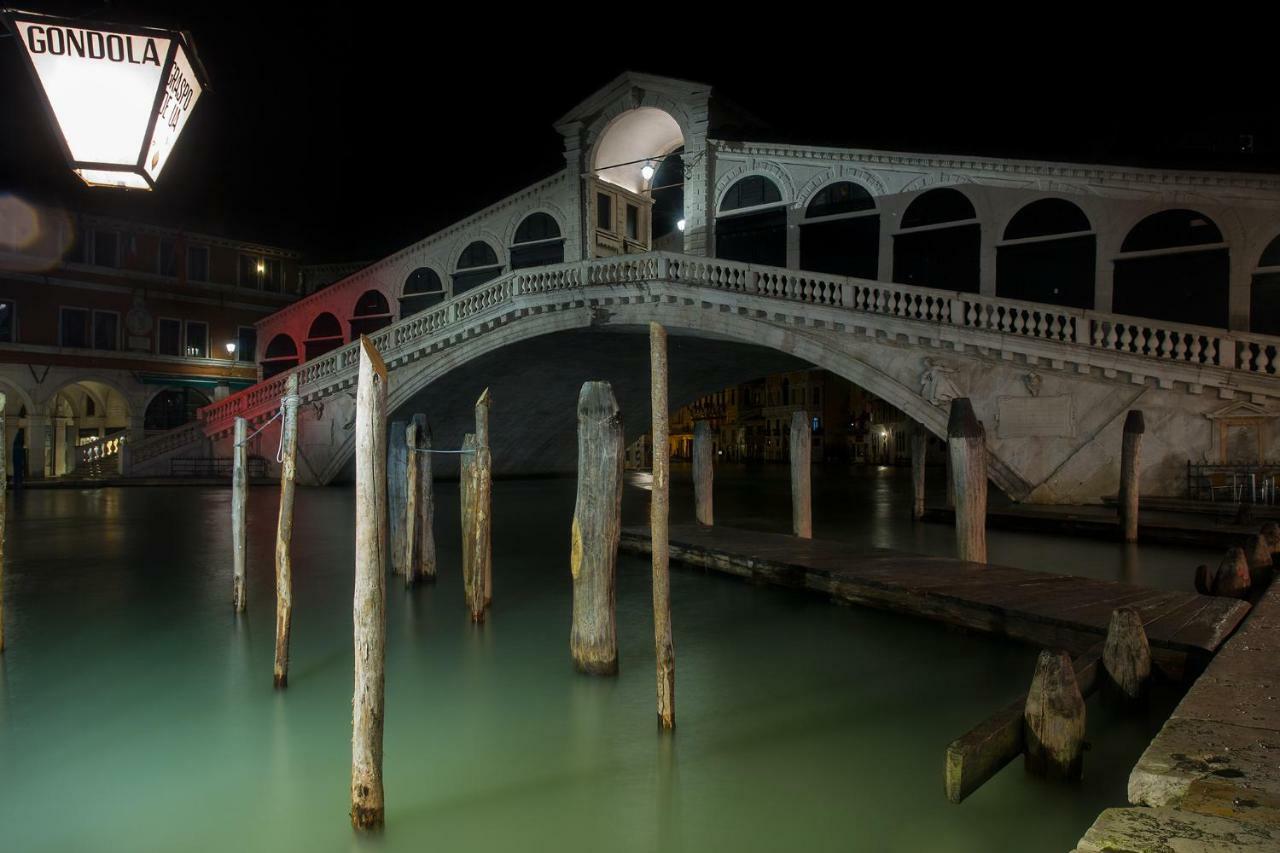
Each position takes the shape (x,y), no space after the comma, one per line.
(538,242)
(1048,255)
(324,335)
(281,355)
(841,233)
(1175,266)
(371,314)
(1264,297)
(757,236)
(422,289)
(667,190)
(939,243)
(478,264)
(173,407)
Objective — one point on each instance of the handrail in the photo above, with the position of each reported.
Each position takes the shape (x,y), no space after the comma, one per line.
(158,445)
(100,448)
(1013,319)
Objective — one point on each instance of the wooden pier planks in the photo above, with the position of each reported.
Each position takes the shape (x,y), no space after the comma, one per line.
(1038,607)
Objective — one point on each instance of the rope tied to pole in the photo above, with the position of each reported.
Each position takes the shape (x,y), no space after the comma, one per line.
(288,399)
(431,450)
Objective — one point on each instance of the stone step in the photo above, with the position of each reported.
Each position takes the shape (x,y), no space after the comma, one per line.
(1143,830)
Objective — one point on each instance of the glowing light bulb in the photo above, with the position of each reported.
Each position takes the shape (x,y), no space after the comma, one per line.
(231,348)
(262,267)
(647,170)
(680,225)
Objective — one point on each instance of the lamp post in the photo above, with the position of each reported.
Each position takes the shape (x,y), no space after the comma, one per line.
(119,96)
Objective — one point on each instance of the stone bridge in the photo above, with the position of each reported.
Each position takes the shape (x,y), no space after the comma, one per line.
(1051,384)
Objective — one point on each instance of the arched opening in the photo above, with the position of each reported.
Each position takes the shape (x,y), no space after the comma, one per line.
(80,414)
(939,243)
(1264,295)
(1049,254)
(324,336)
(841,232)
(752,224)
(281,355)
(667,191)
(422,289)
(477,265)
(370,314)
(1174,265)
(173,407)
(537,243)
(632,159)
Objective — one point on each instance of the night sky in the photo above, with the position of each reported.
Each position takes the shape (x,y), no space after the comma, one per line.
(349,131)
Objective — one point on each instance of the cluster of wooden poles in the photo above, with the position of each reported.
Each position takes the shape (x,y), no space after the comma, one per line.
(1243,570)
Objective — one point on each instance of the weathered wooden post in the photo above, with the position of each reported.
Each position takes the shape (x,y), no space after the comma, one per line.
(659,510)
(1054,719)
(472,571)
(1130,473)
(484,498)
(1232,578)
(1257,554)
(1126,656)
(421,540)
(597,527)
(703,472)
(239,499)
(966,445)
(801,491)
(4,490)
(919,454)
(369,605)
(1271,534)
(284,530)
(397,497)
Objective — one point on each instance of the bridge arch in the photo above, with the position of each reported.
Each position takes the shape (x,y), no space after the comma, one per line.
(840,232)
(628,135)
(751,221)
(280,355)
(370,312)
(1174,265)
(1264,292)
(938,242)
(475,264)
(324,334)
(538,240)
(1048,253)
(422,289)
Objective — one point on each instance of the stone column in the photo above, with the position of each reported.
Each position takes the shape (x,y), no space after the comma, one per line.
(891,208)
(36,439)
(1240,288)
(60,462)
(794,218)
(699,198)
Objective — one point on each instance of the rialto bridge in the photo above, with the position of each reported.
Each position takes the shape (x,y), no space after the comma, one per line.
(1056,296)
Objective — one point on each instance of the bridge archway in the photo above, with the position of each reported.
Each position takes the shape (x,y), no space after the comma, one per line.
(1264,292)
(841,231)
(1174,265)
(939,242)
(370,313)
(324,335)
(1048,254)
(538,242)
(751,225)
(422,289)
(281,355)
(477,265)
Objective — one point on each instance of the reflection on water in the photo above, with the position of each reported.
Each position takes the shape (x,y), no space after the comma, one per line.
(137,713)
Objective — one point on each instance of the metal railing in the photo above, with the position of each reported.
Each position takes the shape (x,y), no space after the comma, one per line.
(1234,483)
(218,467)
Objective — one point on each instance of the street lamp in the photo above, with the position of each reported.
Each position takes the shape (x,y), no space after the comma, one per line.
(119,96)
(231,347)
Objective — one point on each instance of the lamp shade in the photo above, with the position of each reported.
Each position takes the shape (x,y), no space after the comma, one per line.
(119,96)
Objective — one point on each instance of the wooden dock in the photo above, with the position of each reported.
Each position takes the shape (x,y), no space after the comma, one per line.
(1059,611)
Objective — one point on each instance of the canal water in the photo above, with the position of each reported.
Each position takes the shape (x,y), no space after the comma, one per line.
(137,713)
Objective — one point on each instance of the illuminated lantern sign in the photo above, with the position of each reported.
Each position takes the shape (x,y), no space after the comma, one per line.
(119,96)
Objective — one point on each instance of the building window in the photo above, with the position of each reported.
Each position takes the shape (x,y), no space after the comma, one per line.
(197,339)
(250,271)
(272,275)
(197,263)
(167,260)
(604,212)
(8,321)
(106,248)
(73,328)
(106,330)
(246,343)
(168,336)
(537,242)
(477,265)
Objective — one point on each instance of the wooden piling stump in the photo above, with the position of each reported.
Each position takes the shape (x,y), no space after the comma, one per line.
(484,498)
(919,453)
(1130,472)
(4,489)
(369,605)
(1271,534)
(1232,579)
(1054,719)
(1257,555)
(597,527)
(239,501)
(967,448)
(659,514)
(397,497)
(801,489)
(1126,657)
(421,540)
(284,530)
(703,472)
(472,571)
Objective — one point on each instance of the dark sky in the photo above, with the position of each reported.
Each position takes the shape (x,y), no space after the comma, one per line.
(348,131)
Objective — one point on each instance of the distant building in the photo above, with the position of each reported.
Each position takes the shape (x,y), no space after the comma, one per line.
(111,328)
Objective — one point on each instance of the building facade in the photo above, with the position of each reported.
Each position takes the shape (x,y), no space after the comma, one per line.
(112,329)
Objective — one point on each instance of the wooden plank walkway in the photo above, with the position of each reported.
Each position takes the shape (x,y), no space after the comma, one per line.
(1061,611)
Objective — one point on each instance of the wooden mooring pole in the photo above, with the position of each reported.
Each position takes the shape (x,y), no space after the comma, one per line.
(1126,657)
(284,530)
(703,472)
(801,490)
(239,499)
(1054,720)
(966,446)
(919,457)
(1232,580)
(420,508)
(484,498)
(472,572)
(369,604)
(1130,473)
(597,527)
(4,489)
(1257,554)
(659,512)
(397,497)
